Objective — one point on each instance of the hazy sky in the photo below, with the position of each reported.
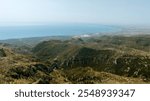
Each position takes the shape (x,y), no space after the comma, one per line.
(74,11)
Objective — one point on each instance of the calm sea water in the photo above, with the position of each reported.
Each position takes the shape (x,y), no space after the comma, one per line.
(52,30)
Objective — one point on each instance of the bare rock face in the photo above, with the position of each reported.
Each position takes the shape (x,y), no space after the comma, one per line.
(2,53)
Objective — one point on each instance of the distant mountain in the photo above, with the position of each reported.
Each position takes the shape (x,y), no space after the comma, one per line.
(30,42)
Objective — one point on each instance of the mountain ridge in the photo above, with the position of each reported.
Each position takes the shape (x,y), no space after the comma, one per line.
(103,59)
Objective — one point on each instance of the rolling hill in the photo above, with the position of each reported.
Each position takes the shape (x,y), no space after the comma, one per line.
(100,59)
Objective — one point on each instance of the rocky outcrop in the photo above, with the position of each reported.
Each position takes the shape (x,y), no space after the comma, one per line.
(133,66)
(2,53)
(26,71)
(88,75)
(89,57)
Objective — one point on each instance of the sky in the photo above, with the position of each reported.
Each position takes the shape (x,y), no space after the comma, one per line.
(14,12)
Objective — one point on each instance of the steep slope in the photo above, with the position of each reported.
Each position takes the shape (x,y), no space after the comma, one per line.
(2,53)
(54,48)
(120,60)
(105,59)
(89,57)
(89,76)
(11,60)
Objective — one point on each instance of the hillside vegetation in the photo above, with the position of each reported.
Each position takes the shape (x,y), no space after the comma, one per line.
(91,60)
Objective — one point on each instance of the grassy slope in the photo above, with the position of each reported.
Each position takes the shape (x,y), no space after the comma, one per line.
(131,52)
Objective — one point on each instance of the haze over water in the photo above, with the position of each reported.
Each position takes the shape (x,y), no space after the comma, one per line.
(17,13)
(11,32)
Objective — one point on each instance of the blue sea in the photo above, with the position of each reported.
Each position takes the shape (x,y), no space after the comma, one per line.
(12,32)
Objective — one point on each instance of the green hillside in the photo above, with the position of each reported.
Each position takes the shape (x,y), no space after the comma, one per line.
(100,59)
